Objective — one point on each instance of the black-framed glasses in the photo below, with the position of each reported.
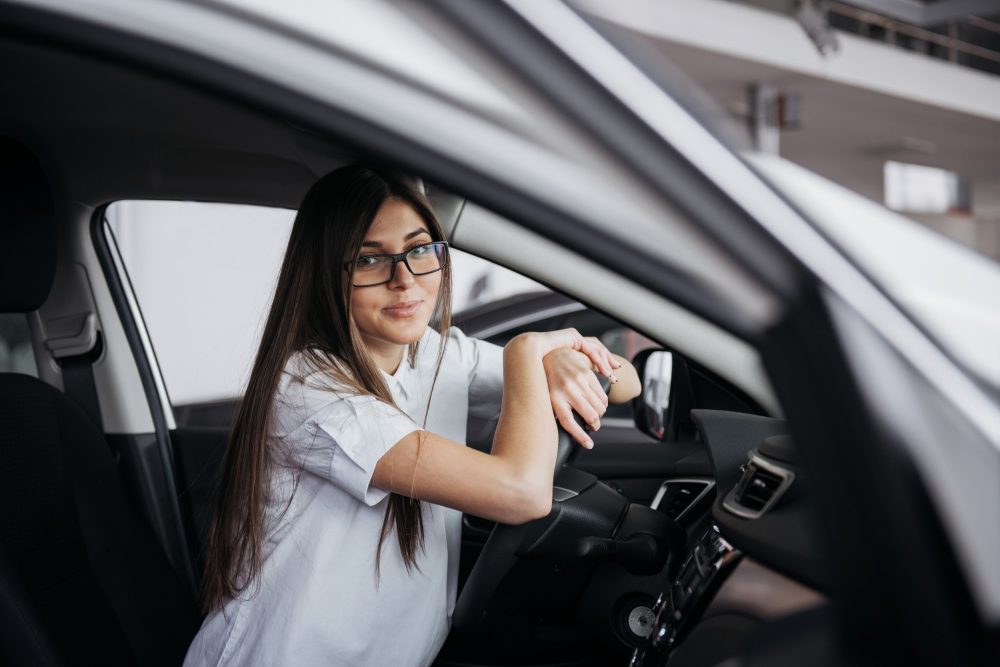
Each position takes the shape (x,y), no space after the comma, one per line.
(371,270)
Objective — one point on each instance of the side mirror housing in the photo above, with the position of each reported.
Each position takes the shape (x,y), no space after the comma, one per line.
(650,407)
(662,409)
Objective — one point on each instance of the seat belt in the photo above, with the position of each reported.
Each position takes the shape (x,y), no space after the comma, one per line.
(76,355)
(78,381)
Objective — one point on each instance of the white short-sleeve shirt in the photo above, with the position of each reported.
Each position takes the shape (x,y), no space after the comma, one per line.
(317,600)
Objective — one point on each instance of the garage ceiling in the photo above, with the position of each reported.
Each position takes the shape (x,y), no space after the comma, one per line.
(847,133)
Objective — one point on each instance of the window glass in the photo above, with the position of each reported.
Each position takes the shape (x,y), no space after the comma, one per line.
(477,281)
(545,324)
(204,275)
(16,355)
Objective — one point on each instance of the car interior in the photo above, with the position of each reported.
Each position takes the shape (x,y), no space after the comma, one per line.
(686,537)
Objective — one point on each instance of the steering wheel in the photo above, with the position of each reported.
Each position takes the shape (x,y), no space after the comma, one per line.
(501,549)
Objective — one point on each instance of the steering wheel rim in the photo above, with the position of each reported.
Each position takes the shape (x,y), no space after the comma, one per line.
(500,551)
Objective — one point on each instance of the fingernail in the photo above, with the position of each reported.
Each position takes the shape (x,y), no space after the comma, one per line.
(589,444)
(618,365)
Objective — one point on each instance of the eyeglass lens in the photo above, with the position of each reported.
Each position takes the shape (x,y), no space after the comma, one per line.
(376,269)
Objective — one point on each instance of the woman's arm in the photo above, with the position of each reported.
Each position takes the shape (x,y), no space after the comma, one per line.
(628,386)
(512,484)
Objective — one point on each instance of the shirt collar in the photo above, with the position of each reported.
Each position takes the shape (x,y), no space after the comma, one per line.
(397,381)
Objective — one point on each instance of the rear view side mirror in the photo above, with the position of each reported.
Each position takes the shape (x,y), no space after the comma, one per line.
(651,407)
(662,410)
(654,400)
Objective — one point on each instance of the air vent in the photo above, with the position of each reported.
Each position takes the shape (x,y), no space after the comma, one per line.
(757,487)
(763,482)
(677,497)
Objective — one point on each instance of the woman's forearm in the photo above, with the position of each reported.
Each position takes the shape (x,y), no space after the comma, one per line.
(526,434)
(628,385)
(512,484)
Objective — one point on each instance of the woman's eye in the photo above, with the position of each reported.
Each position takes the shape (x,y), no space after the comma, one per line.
(368,261)
(420,250)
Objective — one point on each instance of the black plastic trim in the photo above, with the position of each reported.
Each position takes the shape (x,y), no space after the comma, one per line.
(894,572)
(171,533)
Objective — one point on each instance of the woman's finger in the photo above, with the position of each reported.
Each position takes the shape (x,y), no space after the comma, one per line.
(585,405)
(613,363)
(598,407)
(598,343)
(553,340)
(597,391)
(607,353)
(589,402)
(600,357)
(564,414)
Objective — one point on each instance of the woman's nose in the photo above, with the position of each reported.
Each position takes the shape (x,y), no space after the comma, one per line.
(401,276)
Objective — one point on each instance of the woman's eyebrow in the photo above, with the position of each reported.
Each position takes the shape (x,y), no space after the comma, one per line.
(377,244)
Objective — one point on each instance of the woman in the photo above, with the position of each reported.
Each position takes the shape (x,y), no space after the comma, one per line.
(337,528)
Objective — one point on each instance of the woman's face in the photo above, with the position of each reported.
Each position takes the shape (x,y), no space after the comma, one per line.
(397,312)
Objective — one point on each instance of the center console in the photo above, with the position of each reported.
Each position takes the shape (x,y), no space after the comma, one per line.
(679,607)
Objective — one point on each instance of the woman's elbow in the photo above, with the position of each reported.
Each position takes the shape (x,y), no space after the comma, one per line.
(529,505)
(542,505)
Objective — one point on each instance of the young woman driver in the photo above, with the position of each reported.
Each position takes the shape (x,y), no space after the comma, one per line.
(337,528)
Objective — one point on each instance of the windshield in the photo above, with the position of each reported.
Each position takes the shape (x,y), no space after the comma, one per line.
(796,112)
(953,292)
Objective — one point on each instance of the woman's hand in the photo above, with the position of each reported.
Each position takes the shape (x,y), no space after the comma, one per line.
(570,361)
(573,386)
(550,341)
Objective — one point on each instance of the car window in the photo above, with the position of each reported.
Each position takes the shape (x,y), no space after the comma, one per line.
(546,324)
(16,355)
(951,290)
(203,275)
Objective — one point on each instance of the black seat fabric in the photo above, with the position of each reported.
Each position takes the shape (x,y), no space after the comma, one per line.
(82,578)
(89,566)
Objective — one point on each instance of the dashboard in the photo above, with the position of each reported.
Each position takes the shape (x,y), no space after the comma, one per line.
(724,550)
(760,514)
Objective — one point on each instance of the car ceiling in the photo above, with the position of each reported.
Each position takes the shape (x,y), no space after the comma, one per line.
(106,133)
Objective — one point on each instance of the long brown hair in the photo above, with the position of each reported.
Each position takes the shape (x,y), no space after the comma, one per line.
(311,315)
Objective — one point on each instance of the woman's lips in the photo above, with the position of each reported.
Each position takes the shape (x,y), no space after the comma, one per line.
(404,309)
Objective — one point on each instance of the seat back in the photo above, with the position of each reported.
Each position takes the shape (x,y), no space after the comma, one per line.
(83,579)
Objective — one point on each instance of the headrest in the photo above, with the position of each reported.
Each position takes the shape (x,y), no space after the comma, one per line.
(27,230)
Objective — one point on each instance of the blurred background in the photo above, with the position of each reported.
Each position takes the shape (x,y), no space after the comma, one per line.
(898,100)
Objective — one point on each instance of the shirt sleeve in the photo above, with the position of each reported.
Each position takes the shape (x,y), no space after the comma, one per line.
(351,435)
(483,362)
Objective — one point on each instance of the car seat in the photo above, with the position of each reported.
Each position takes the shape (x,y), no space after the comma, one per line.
(82,579)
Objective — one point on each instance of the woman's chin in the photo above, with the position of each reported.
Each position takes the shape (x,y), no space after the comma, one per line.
(411,333)
(395,331)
